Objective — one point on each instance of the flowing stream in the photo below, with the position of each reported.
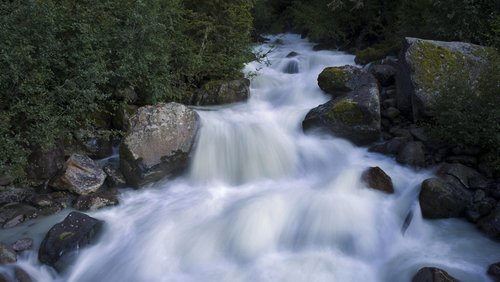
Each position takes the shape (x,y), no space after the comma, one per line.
(265,202)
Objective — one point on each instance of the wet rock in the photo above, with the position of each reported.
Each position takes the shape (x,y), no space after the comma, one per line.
(377,179)
(424,64)
(219,92)
(53,202)
(114,177)
(494,271)
(292,54)
(21,275)
(354,113)
(158,143)
(22,245)
(432,274)
(463,159)
(439,199)
(14,194)
(94,143)
(13,214)
(81,176)
(390,113)
(97,200)
(401,132)
(412,153)
(7,254)
(122,116)
(383,73)
(42,165)
(490,224)
(388,103)
(462,175)
(391,147)
(64,239)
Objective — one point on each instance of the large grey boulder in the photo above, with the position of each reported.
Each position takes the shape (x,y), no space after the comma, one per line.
(439,199)
(354,112)
(66,238)
(82,176)
(217,92)
(433,274)
(425,67)
(158,143)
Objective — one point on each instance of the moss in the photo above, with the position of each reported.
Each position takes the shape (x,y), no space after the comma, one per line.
(334,79)
(377,52)
(432,63)
(63,236)
(346,111)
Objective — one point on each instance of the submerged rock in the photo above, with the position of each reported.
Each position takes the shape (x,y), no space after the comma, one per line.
(219,92)
(354,113)
(22,245)
(158,143)
(81,176)
(439,199)
(377,179)
(64,239)
(433,274)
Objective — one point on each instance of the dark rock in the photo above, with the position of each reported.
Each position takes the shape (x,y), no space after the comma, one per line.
(14,194)
(7,254)
(377,179)
(122,116)
(391,147)
(158,143)
(355,112)
(439,199)
(4,278)
(425,64)
(292,54)
(388,103)
(462,175)
(401,132)
(419,133)
(468,150)
(53,202)
(21,275)
(463,159)
(490,224)
(42,165)
(81,176)
(114,177)
(412,153)
(128,95)
(22,245)
(383,73)
(94,143)
(494,271)
(391,113)
(386,124)
(217,92)
(432,274)
(66,238)
(96,200)
(13,214)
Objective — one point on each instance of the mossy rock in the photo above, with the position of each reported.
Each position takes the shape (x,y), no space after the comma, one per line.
(334,80)
(346,111)
(218,92)
(377,52)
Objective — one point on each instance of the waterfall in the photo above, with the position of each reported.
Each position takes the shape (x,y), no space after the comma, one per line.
(262,201)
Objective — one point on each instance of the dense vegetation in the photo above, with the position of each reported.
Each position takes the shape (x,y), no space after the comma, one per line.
(63,61)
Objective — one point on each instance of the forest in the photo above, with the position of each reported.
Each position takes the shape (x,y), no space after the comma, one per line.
(64,63)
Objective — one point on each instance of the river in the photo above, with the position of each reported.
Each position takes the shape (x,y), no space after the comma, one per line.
(262,201)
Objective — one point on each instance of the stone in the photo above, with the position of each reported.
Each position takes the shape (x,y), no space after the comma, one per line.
(354,112)
(12,214)
(376,178)
(4,278)
(432,274)
(218,92)
(388,103)
(43,165)
(122,116)
(63,241)
(463,175)
(439,199)
(158,143)
(490,224)
(97,200)
(21,275)
(292,54)
(53,202)
(462,159)
(391,147)
(15,194)
(385,74)
(425,63)
(114,177)
(412,153)
(7,254)
(22,245)
(390,113)
(82,176)
(494,271)
(94,143)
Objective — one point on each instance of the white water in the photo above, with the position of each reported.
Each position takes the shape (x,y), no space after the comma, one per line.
(264,202)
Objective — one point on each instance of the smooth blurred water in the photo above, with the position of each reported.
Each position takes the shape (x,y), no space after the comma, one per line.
(265,202)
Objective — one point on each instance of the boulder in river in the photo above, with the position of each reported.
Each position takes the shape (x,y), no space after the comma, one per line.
(412,153)
(158,143)
(217,92)
(377,179)
(354,113)
(81,176)
(425,66)
(64,239)
(439,199)
(490,224)
(433,274)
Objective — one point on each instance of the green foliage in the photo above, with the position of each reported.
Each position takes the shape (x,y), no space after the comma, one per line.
(468,115)
(61,61)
